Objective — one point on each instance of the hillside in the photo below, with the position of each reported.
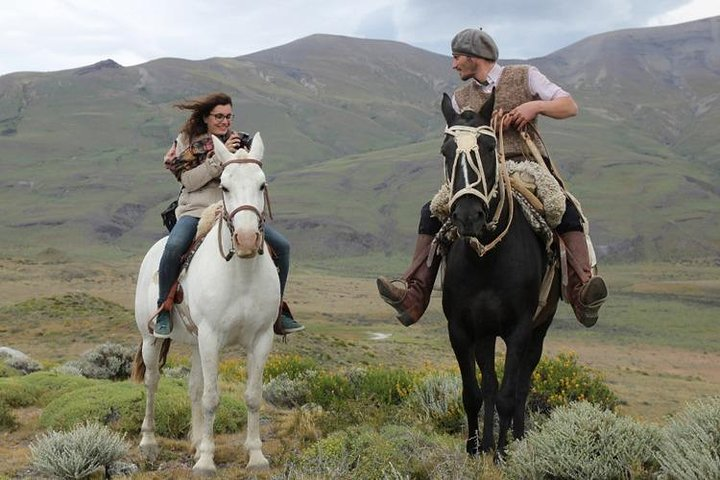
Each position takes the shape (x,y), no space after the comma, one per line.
(352,130)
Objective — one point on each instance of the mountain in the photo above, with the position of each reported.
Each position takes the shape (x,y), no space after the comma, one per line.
(352,129)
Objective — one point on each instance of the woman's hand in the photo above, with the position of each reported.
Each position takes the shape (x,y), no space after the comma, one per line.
(233,142)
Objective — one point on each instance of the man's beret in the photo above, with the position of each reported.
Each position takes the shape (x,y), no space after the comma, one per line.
(475,43)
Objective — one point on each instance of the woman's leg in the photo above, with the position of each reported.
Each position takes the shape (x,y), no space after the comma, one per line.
(280,245)
(177,244)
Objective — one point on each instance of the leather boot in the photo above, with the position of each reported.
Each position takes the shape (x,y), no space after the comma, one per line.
(411,300)
(585,293)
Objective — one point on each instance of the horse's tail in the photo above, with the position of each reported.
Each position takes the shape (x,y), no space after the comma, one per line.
(138,369)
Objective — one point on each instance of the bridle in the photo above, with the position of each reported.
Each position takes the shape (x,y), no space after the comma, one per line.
(228,216)
(467,156)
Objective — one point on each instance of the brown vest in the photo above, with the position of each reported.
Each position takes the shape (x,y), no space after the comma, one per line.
(511,90)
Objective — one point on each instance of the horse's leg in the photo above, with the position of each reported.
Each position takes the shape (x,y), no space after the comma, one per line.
(516,344)
(471,395)
(208,347)
(256,356)
(532,355)
(151,358)
(485,356)
(195,389)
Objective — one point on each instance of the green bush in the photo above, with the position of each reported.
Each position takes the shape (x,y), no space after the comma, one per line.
(293,366)
(437,399)
(690,442)
(283,391)
(8,422)
(390,452)
(8,371)
(582,441)
(107,361)
(39,388)
(358,452)
(77,453)
(560,381)
(122,406)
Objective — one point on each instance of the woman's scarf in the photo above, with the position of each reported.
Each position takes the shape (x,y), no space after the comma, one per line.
(192,156)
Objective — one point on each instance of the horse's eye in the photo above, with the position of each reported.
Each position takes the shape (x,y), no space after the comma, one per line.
(262,187)
(223,188)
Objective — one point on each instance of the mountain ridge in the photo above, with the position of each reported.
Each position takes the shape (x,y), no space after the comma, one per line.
(81,152)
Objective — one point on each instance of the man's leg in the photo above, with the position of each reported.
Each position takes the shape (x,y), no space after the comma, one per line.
(586,293)
(411,300)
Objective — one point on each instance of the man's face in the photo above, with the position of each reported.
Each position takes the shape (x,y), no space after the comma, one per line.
(465,65)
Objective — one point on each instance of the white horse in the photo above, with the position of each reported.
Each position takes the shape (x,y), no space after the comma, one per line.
(232,299)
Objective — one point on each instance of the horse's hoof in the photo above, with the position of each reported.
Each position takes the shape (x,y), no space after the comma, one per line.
(198,471)
(150,452)
(257,461)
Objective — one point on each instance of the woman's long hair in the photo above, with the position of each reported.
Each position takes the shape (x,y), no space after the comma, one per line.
(201,108)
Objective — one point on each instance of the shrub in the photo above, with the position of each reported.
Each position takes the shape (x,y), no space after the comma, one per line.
(437,399)
(690,442)
(358,452)
(582,441)
(8,422)
(560,381)
(283,391)
(108,361)
(77,453)
(122,405)
(39,388)
(293,366)
(18,361)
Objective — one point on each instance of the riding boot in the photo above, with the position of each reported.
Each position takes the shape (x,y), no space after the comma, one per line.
(413,298)
(285,322)
(585,293)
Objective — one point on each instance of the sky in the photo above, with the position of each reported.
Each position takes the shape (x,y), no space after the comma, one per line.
(51,35)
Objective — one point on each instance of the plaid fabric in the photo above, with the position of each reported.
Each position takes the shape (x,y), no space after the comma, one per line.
(192,156)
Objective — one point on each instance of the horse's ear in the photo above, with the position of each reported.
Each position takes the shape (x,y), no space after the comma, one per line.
(486,110)
(220,149)
(257,148)
(448,111)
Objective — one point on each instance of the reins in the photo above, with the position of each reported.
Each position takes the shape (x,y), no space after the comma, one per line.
(228,217)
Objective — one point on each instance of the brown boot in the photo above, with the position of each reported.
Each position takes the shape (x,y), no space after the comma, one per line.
(585,292)
(411,300)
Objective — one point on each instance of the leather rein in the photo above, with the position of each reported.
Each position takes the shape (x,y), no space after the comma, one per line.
(228,216)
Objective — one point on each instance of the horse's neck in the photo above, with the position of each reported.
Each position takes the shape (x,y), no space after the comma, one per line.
(212,258)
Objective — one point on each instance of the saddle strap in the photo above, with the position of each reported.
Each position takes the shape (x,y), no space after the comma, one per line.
(545,288)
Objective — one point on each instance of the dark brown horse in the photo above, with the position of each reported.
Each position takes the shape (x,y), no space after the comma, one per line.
(493,276)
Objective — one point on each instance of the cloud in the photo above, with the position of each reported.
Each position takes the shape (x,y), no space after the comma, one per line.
(46,35)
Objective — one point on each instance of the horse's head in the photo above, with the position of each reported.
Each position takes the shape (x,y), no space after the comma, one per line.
(471,169)
(244,192)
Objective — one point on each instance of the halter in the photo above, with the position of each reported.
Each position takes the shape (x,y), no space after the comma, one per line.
(467,155)
(228,216)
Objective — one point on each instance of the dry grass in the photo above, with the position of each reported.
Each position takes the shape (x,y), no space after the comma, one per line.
(343,316)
